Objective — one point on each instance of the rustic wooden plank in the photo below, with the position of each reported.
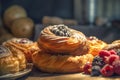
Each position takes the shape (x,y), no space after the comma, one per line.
(38,75)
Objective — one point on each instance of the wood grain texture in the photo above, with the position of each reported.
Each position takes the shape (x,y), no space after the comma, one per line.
(38,75)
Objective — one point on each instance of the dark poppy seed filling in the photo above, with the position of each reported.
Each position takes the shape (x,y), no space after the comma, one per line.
(61,30)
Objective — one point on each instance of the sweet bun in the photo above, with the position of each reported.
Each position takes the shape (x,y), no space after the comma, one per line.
(116,41)
(60,63)
(114,45)
(11,62)
(61,39)
(95,45)
(22,45)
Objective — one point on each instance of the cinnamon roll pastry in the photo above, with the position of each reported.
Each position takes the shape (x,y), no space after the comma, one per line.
(95,45)
(60,63)
(11,62)
(22,45)
(61,39)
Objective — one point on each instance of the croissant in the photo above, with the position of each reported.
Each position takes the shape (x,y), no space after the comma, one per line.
(61,39)
(60,63)
(22,45)
(11,62)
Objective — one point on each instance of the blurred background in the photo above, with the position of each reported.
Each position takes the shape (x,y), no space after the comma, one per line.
(26,18)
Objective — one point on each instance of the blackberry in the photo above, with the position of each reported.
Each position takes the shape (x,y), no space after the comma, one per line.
(61,33)
(61,30)
(118,52)
(98,61)
(64,30)
(95,71)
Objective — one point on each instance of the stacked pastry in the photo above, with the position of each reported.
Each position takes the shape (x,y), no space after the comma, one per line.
(15,54)
(62,50)
(22,45)
(59,49)
(11,62)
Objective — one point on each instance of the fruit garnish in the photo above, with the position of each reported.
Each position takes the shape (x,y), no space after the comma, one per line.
(61,30)
(112,58)
(118,52)
(87,68)
(107,70)
(98,61)
(95,71)
(116,66)
(104,53)
(112,52)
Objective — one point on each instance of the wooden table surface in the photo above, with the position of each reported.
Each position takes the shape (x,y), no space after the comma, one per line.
(38,75)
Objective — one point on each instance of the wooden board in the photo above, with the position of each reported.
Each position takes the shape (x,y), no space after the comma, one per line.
(38,75)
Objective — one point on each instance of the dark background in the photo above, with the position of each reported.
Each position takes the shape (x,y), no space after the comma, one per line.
(69,9)
(36,9)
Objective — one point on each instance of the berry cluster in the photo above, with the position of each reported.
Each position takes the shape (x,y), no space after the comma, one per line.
(61,30)
(107,63)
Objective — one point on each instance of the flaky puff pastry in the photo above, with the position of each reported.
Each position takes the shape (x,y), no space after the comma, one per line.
(11,62)
(95,45)
(61,44)
(114,45)
(60,63)
(22,45)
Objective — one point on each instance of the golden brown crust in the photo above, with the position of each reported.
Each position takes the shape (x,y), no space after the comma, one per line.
(19,55)
(60,63)
(114,45)
(95,45)
(27,47)
(116,41)
(12,63)
(61,44)
(9,65)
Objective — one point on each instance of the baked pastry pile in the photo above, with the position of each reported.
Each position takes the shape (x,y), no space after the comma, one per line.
(11,62)
(22,45)
(62,50)
(59,49)
(61,39)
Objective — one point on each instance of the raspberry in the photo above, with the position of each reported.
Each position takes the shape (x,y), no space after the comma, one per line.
(104,53)
(112,58)
(112,52)
(95,71)
(87,68)
(107,70)
(116,66)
